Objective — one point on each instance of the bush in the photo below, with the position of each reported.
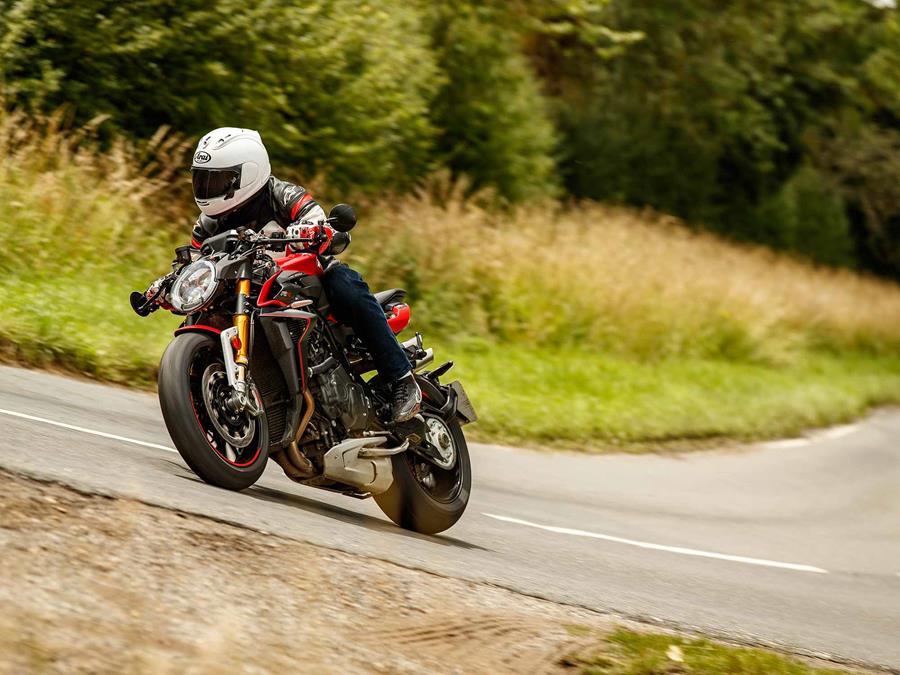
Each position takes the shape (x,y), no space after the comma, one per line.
(357,92)
(493,119)
(809,216)
(715,114)
(334,87)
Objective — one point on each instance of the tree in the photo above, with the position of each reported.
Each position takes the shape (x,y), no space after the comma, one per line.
(710,116)
(493,120)
(334,87)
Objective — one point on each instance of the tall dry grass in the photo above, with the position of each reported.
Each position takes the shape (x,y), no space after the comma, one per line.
(64,201)
(603,278)
(616,280)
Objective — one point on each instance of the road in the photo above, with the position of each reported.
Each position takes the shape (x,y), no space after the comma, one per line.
(793,543)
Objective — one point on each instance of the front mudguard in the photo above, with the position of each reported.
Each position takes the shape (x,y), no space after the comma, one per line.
(199,328)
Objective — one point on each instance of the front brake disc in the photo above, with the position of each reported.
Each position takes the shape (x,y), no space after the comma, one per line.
(236,428)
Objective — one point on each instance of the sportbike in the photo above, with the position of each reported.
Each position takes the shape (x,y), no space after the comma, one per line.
(259,369)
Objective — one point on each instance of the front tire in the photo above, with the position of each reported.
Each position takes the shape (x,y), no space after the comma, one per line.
(198,442)
(412,505)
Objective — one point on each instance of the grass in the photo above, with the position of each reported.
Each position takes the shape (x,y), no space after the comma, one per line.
(614,280)
(629,653)
(81,325)
(579,327)
(577,399)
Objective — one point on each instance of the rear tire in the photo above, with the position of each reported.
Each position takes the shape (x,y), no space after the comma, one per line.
(414,507)
(183,409)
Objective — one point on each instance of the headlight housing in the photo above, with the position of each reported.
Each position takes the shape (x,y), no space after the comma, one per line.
(194,287)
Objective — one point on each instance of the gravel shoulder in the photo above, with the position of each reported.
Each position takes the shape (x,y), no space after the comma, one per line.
(92,584)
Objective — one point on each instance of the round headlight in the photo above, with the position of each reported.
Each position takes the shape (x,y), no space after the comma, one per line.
(194,287)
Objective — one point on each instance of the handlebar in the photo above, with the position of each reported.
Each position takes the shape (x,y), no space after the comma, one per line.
(248,241)
(249,235)
(148,302)
(279,240)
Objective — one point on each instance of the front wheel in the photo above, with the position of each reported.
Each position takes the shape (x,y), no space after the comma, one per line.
(224,449)
(424,497)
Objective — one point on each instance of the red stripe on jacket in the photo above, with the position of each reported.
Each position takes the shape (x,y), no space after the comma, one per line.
(303,201)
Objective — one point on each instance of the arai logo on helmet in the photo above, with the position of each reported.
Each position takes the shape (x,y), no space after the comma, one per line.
(202,158)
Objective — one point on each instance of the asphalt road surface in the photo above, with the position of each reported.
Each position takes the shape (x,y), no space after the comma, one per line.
(794,543)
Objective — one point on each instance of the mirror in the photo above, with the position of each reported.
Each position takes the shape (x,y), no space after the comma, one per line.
(183,255)
(342,217)
(139,303)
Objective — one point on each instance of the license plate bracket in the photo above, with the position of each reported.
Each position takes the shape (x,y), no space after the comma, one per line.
(464,407)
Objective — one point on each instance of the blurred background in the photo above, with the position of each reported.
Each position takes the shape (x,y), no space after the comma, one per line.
(631,224)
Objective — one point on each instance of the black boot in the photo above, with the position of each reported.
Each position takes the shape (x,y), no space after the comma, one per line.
(406,399)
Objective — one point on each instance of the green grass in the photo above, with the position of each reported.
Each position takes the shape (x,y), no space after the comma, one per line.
(580,399)
(82,324)
(529,395)
(629,653)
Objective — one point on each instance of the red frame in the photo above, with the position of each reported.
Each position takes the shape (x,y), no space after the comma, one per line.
(264,300)
(307,263)
(300,355)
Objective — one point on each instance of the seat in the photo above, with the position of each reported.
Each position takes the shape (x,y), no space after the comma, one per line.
(390,297)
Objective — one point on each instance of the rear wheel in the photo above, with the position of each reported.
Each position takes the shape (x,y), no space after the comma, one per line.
(428,496)
(223,448)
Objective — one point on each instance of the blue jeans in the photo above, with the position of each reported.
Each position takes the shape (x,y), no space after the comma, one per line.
(353,304)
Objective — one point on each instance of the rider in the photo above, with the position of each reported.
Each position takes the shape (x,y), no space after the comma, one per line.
(234,188)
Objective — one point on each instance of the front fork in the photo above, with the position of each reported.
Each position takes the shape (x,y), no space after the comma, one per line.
(235,347)
(242,323)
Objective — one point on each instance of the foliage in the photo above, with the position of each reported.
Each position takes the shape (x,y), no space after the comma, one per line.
(864,166)
(493,119)
(770,122)
(808,216)
(334,86)
(713,115)
(371,95)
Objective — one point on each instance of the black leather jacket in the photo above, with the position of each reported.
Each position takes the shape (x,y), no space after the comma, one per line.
(279,201)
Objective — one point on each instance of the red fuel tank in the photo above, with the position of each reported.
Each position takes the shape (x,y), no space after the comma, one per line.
(308,263)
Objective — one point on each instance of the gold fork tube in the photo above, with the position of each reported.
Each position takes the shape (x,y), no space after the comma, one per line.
(242,322)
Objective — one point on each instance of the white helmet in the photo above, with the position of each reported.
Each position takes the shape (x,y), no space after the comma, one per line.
(230,166)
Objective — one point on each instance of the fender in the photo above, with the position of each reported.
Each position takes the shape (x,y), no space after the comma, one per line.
(447,401)
(198,328)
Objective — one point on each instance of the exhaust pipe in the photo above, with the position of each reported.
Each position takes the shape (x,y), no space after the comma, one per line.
(291,459)
(361,463)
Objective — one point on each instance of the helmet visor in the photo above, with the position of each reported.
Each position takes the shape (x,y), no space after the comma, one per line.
(212,183)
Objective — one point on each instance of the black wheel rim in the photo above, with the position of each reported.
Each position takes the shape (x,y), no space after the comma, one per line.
(237,457)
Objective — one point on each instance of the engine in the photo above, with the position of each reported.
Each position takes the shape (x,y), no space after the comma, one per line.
(337,396)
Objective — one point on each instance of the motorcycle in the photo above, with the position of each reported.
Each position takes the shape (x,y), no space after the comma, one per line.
(260,369)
